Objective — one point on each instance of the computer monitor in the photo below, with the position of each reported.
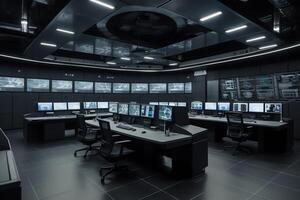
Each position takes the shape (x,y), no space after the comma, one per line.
(165,113)
(163,103)
(90,105)
(181,104)
(103,105)
(223,106)
(45,106)
(134,110)
(147,111)
(59,106)
(256,107)
(113,107)
(273,107)
(73,105)
(154,103)
(196,105)
(123,109)
(173,104)
(240,107)
(210,106)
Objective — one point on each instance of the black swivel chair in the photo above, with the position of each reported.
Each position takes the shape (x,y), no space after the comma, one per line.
(87,136)
(237,132)
(112,150)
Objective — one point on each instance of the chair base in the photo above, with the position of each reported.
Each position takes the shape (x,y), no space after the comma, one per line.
(87,150)
(111,169)
(238,148)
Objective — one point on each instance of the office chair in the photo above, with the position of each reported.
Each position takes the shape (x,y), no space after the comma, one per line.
(237,132)
(112,150)
(87,136)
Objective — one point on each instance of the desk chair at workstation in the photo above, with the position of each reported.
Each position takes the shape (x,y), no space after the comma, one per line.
(112,150)
(237,132)
(87,136)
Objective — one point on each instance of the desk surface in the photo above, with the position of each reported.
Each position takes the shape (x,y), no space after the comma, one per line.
(261,123)
(154,136)
(62,117)
(4,169)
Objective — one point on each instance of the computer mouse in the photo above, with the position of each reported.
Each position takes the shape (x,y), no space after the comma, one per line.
(143,132)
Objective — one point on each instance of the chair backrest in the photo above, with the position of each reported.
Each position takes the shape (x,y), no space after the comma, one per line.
(107,140)
(82,128)
(235,124)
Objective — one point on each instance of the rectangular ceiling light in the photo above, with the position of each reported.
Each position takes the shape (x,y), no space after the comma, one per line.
(148,58)
(256,39)
(125,58)
(236,29)
(111,63)
(48,44)
(213,15)
(103,4)
(173,64)
(65,31)
(268,46)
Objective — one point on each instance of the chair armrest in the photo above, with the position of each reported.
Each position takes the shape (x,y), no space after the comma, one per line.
(123,142)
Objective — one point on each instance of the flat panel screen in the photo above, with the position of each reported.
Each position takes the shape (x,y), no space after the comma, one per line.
(123,109)
(163,103)
(134,110)
(182,104)
(196,105)
(101,87)
(11,84)
(102,105)
(240,107)
(73,105)
(228,89)
(176,87)
(256,107)
(121,88)
(210,106)
(62,86)
(153,103)
(139,88)
(273,107)
(158,88)
(173,104)
(113,107)
(223,106)
(165,113)
(60,106)
(83,87)
(90,105)
(247,87)
(188,87)
(38,85)
(288,85)
(265,87)
(45,106)
(147,111)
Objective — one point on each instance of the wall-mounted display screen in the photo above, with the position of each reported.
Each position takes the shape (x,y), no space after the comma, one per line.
(210,106)
(139,88)
(173,104)
(228,89)
(102,105)
(223,106)
(188,87)
(83,87)
(45,106)
(163,103)
(288,85)
(176,87)
(62,86)
(38,85)
(60,106)
(73,105)
(273,107)
(158,87)
(90,105)
(11,84)
(113,107)
(182,104)
(256,107)
(102,87)
(196,105)
(154,103)
(121,88)
(123,109)
(165,113)
(134,110)
(265,88)
(240,107)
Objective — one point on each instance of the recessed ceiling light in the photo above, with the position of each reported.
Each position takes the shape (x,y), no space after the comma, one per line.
(125,58)
(65,31)
(106,5)
(48,44)
(148,58)
(236,29)
(268,46)
(173,64)
(256,39)
(210,16)
(111,63)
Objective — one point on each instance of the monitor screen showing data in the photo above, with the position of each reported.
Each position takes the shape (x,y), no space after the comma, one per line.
(163,103)
(90,105)
(173,104)
(113,107)
(210,106)
(273,107)
(45,106)
(60,106)
(73,105)
(11,84)
(153,103)
(223,106)
(240,107)
(176,87)
(165,113)
(62,86)
(121,88)
(256,107)
(188,87)
(102,87)
(147,111)
(103,105)
(123,109)
(134,110)
(139,88)
(181,104)
(196,105)
(158,87)
(83,87)
(38,85)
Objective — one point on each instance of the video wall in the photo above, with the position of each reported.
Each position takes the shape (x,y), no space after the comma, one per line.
(14,84)
(283,86)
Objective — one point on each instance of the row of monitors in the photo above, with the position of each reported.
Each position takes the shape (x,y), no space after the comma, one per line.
(137,110)
(240,107)
(63,106)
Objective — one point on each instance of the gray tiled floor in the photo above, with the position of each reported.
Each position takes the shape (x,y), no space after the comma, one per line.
(49,171)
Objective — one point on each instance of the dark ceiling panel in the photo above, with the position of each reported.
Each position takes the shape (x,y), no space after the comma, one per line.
(152,3)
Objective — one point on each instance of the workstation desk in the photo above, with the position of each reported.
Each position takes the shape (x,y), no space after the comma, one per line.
(188,151)
(272,136)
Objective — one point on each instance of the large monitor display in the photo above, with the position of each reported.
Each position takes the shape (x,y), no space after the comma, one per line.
(113,107)
(45,106)
(173,104)
(176,87)
(90,105)
(123,109)
(273,107)
(223,106)
(240,107)
(163,103)
(102,87)
(83,87)
(196,105)
(165,113)
(182,104)
(11,84)
(147,111)
(210,106)
(121,88)
(73,105)
(103,105)
(139,88)
(38,85)
(256,107)
(154,103)
(158,87)
(134,110)
(188,87)
(62,86)
(60,106)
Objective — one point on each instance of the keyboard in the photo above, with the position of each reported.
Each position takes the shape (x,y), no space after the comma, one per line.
(126,127)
